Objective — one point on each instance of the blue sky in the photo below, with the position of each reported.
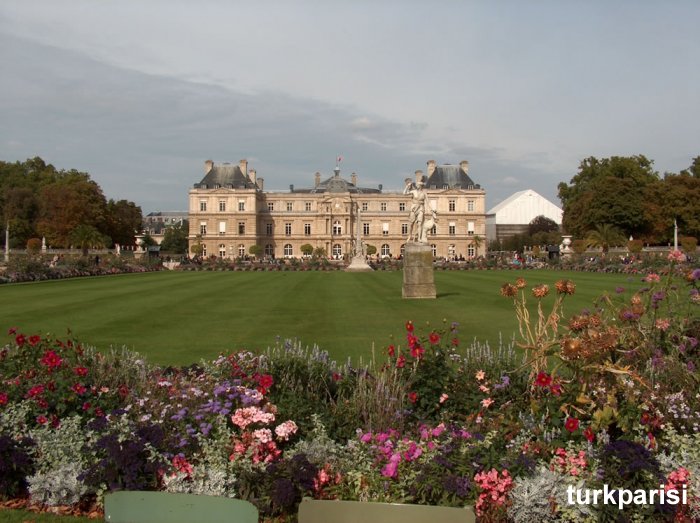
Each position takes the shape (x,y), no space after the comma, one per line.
(139,94)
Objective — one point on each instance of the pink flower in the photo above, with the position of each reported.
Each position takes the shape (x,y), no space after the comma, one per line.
(263,435)
(675,256)
(663,324)
(285,430)
(246,416)
(652,278)
(483,388)
(443,398)
(486,403)
(480,375)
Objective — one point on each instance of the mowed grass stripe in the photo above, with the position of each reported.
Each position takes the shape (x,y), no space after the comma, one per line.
(180,317)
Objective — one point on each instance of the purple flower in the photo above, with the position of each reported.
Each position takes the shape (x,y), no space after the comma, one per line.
(619,290)
(505,381)
(695,275)
(691,366)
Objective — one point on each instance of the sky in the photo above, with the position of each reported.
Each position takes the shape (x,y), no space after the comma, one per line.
(140,93)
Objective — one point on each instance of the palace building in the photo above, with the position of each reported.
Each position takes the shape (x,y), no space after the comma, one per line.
(230,211)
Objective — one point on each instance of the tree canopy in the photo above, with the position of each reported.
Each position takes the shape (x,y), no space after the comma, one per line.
(628,194)
(36,199)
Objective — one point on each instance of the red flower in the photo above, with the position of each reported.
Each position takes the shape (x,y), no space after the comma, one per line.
(3,398)
(80,371)
(645,418)
(12,331)
(79,389)
(412,340)
(41,419)
(455,342)
(391,350)
(555,388)
(412,397)
(434,338)
(266,381)
(99,412)
(51,359)
(123,391)
(337,377)
(55,422)
(571,424)
(588,434)
(400,361)
(417,352)
(33,340)
(409,326)
(543,380)
(36,390)
(42,403)
(87,405)
(20,339)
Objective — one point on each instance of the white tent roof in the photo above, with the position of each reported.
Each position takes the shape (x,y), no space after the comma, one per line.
(521,207)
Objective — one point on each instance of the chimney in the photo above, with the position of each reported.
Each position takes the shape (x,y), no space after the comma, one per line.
(353,179)
(431,167)
(251,175)
(261,183)
(208,166)
(464,165)
(243,164)
(419,176)
(291,187)
(317,179)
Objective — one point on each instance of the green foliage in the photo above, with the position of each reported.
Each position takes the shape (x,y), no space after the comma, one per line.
(175,239)
(542,224)
(33,245)
(605,236)
(370,250)
(307,249)
(254,250)
(689,244)
(86,237)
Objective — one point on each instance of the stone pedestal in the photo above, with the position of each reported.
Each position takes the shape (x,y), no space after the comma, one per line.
(418,277)
(358,264)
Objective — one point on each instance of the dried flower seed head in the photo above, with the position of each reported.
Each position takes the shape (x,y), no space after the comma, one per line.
(540,291)
(520,283)
(636,299)
(578,323)
(571,348)
(509,290)
(565,287)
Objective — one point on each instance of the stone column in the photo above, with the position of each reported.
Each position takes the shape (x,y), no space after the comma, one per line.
(418,274)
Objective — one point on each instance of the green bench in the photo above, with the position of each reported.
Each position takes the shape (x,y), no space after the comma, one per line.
(166,507)
(331,511)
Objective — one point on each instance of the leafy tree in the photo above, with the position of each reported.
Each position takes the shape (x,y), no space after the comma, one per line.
(608,191)
(319,252)
(370,250)
(255,250)
(542,224)
(33,245)
(307,249)
(86,236)
(175,239)
(689,244)
(122,218)
(605,236)
(149,241)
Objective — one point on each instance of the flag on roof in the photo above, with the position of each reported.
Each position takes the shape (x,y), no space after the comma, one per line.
(340,159)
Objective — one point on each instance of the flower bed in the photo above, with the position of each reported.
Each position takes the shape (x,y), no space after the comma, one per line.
(605,399)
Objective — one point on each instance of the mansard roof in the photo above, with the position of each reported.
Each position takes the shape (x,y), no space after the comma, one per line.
(225,175)
(452,176)
(338,184)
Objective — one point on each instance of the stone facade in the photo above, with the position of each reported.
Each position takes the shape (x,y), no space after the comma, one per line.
(229,211)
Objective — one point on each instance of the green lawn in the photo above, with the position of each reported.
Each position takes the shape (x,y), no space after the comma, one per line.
(179,317)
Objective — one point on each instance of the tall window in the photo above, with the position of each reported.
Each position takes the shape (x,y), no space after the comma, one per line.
(307,206)
(288,229)
(364,206)
(222,205)
(382,206)
(402,206)
(269,250)
(385,251)
(202,205)
(471,251)
(204,251)
(433,230)
(404,229)
(452,229)
(222,250)
(452,205)
(241,227)
(241,250)
(288,250)
(434,248)
(307,229)
(337,228)
(385,229)
(203,228)
(365,229)
(270,206)
(222,228)
(470,228)
(268,229)
(241,205)
(470,205)
(290,206)
(337,250)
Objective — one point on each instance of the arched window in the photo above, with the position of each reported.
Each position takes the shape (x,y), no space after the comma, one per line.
(434,247)
(269,250)
(337,250)
(288,250)
(222,250)
(241,250)
(385,251)
(337,228)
